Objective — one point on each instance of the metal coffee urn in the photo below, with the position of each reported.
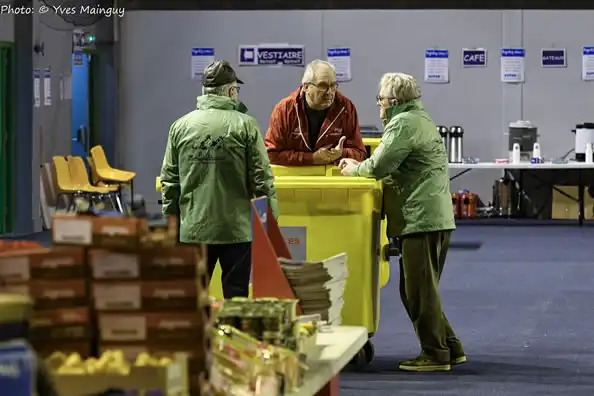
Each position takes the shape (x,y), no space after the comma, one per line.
(455,144)
(443,132)
(584,134)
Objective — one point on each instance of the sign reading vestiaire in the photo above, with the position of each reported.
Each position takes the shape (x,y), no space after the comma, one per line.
(474,57)
(554,57)
(271,54)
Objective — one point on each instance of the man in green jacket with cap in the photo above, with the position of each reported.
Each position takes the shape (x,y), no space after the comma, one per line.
(412,161)
(215,163)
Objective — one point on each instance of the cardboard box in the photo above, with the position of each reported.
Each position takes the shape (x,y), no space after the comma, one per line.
(57,263)
(566,208)
(199,385)
(45,350)
(52,294)
(172,380)
(149,296)
(151,327)
(111,232)
(174,263)
(61,325)
(113,265)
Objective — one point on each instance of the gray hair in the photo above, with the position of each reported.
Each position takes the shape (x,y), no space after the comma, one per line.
(399,86)
(309,76)
(222,90)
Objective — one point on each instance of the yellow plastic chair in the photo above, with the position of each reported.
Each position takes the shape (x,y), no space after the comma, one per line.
(67,187)
(95,180)
(94,176)
(80,177)
(110,175)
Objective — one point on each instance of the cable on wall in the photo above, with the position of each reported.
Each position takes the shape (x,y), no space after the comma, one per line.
(75,17)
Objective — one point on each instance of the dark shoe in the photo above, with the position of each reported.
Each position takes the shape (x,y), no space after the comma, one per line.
(458,360)
(424,365)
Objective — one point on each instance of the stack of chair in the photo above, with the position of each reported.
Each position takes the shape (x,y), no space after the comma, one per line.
(72,182)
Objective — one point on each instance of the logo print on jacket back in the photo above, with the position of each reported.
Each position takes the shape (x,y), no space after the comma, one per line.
(208,149)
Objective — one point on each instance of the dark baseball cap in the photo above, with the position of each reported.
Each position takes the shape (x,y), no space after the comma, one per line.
(219,73)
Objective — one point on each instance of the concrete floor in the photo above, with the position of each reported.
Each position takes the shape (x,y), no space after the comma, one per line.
(523,305)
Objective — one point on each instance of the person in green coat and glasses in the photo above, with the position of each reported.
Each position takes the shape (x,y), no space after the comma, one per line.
(412,161)
(215,163)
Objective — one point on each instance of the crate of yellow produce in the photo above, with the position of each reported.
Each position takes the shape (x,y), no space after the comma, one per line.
(321,216)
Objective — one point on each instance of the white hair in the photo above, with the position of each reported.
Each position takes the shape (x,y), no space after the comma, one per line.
(222,90)
(399,86)
(309,76)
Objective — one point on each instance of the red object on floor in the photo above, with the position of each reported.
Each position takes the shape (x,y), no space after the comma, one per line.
(268,279)
(332,388)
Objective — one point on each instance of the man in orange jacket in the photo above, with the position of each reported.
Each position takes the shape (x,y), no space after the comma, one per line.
(316,125)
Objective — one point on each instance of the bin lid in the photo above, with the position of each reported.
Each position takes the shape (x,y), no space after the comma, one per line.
(326,182)
(280,170)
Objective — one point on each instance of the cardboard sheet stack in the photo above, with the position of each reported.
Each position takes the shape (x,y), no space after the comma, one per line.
(319,285)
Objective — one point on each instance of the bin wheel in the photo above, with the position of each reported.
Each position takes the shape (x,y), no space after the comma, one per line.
(385,253)
(388,251)
(364,356)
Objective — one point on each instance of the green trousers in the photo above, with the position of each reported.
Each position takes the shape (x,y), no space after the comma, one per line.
(421,264)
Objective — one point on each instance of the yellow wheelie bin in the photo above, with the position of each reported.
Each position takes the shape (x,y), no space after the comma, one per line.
(322,216)
(331,170)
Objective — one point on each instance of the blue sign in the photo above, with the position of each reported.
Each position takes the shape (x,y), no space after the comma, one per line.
(587,62)
(474,57)
(77,59)
(253,55)
(436,53)
(553,58)
(513,52)
(18,370)
(202,51)
(338,52)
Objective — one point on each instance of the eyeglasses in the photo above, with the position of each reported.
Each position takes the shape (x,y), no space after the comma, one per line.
(326,86)
(379,99)
(237,88)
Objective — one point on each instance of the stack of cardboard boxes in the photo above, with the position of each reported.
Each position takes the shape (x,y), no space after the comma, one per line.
(56,279)
(115,284)
(152,303)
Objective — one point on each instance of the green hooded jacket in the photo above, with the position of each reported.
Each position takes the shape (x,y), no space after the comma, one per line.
(412,160)
(215,163)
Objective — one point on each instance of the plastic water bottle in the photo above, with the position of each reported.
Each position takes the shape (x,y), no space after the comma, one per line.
(536,150)
(589,153)
(516,153)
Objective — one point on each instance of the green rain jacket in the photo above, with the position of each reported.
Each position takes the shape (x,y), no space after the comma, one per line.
(215,163)
(412,160)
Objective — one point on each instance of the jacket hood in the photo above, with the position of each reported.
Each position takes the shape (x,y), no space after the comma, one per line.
(216,102)
(393,111)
